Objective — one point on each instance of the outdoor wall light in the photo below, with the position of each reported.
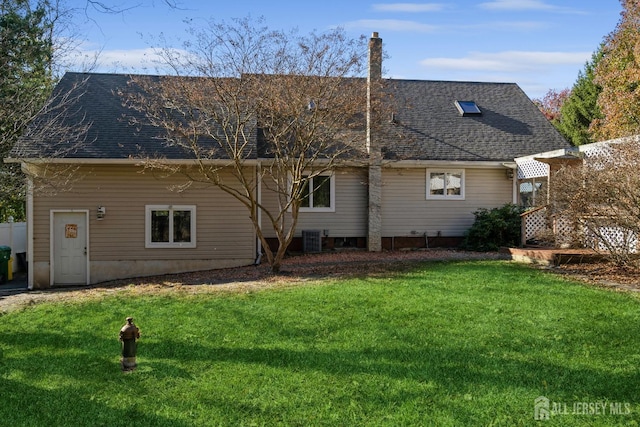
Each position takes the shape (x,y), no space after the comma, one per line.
(509,173)
(101,212)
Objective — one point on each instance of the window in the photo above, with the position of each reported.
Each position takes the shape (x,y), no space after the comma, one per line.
(170,226)
(322,196)
(530,190)
(445,184)
(468,108)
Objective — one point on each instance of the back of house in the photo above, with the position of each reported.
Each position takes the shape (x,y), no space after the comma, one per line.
(95,213)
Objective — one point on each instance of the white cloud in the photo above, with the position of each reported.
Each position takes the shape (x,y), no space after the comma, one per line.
(522,5)
(390,25)
(128,57)
(508,26)
(509,61)
(408,7)
(517,5)
(117,60)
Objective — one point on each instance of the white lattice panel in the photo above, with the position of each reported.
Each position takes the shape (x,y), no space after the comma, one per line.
(563,230)
(599,150)
(531,168)
(603,148)
(597,156)
(536,226)
(535,223)
(612,237)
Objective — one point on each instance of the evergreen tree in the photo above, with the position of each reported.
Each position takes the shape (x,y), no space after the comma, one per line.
(26,51)
(581,107)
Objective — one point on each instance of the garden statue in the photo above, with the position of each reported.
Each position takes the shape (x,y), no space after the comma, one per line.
(128,335)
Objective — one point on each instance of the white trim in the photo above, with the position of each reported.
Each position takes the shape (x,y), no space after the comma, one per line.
(30,268)
(258,171)
(575,150)
(444,164)
(147,226)
(52,213)
(445,196)
(127,161)
(332,194)
(546,154)
(254,162)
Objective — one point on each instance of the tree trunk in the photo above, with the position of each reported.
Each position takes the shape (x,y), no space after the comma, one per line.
(279,256)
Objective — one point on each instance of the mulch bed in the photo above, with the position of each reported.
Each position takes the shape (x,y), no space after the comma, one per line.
(604,274)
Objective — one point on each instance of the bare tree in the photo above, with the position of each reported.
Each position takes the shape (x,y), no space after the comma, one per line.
(602,197)
(247,98)
(58,129)
(109,7)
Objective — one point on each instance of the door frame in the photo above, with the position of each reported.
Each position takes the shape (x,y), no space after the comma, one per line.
(52,213)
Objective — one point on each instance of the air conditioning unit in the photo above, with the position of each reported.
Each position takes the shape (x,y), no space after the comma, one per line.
(311,241)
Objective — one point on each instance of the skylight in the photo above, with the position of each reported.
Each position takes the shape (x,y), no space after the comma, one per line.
(467,108)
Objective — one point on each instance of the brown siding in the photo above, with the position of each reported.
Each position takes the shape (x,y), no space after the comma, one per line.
(223,230)
(350,216)
(407,212)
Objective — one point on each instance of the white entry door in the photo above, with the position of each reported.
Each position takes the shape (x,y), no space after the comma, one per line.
(69,248)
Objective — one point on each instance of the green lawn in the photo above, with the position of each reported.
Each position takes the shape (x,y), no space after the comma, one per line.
(464,343)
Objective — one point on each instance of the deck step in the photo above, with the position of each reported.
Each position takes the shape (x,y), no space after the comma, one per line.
(552,256)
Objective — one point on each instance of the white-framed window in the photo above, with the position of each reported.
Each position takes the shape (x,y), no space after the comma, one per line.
(170,226)
(445,184)
(530,191)
(322,197)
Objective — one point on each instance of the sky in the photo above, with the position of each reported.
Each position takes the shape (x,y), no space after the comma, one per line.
(538,44)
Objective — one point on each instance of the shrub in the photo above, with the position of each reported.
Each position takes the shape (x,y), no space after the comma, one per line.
(494,228)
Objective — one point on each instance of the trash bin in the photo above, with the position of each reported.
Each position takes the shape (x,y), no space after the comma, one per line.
(5,256)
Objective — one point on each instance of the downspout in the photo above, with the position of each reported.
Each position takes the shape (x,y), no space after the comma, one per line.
(29,227)
(516,190)
(258,212)
(514,173)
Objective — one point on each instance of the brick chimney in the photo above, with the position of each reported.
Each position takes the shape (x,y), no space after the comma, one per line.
(375,57)
(374,76)
(374,234)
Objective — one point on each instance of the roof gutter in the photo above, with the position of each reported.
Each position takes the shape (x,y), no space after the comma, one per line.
(444,163)
(78,161)
(254,162)
(186,162)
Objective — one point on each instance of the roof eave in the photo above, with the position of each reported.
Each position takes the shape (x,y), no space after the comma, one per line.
(478,164)
(131,161)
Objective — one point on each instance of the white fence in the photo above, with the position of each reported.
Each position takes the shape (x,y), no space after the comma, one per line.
(14,235)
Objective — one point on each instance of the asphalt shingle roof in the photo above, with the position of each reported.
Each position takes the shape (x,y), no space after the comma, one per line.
(428,126)
(433,129)
(115,130)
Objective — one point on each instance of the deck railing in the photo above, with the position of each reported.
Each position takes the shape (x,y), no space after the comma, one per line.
(534,223)
(563,231)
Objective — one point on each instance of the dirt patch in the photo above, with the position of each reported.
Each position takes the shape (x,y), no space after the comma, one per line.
(297,270)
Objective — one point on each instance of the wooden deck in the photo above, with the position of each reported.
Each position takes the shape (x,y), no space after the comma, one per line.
(552,256)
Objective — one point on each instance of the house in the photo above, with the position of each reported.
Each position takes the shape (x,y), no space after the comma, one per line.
(455,155)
